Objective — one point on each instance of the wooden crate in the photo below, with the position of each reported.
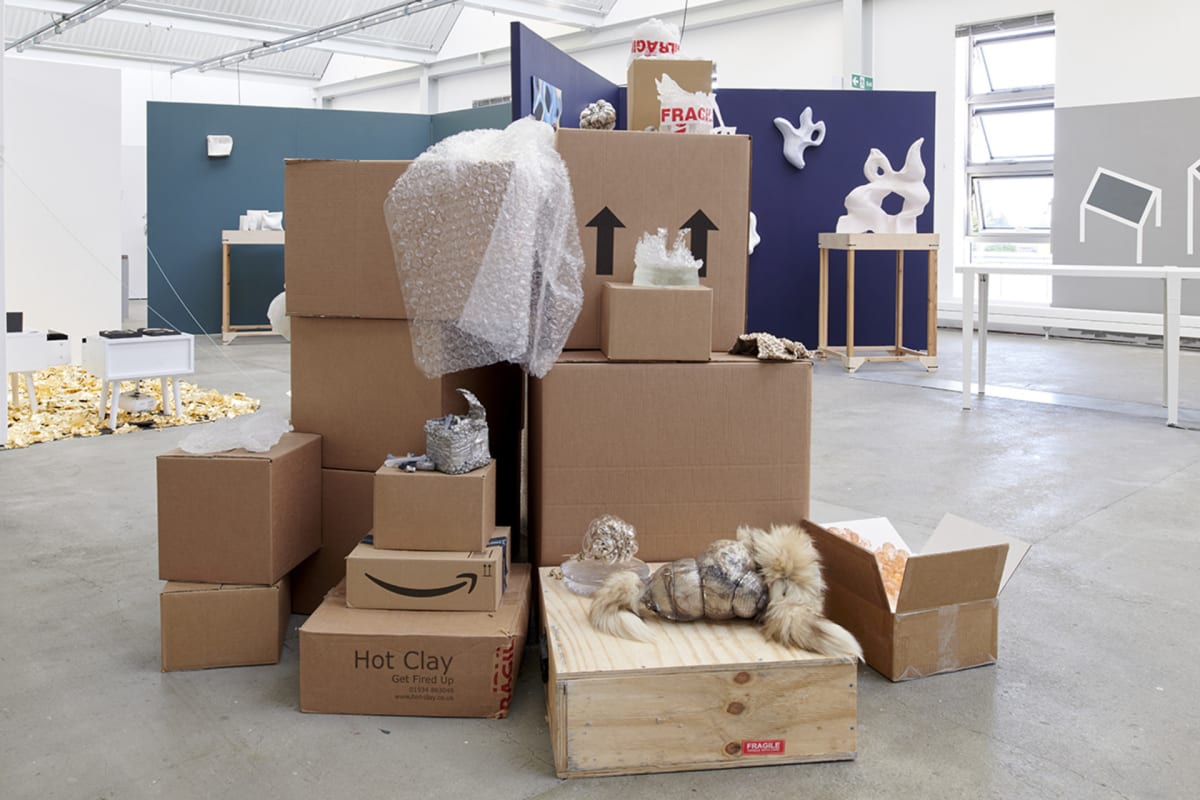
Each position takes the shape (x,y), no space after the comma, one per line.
(702,695)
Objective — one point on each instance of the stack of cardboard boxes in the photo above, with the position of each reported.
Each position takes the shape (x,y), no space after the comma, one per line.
(230,527)
(354,381)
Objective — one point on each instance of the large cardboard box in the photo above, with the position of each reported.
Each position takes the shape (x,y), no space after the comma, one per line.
(642,106)
(414,663)
(684,452)
(355,383)
(347,503)
(424,580)
(946,615)
(222,625)
(435,511)
(655,323)
(237,516)
(626,183)
(338,259)
(702,695)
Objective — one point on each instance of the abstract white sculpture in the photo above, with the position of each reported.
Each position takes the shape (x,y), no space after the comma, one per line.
(864,204)
(754,237)
(797,140)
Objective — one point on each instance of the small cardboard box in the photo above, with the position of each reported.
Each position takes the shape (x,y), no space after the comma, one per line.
(702,695)
(424,580)
(642,106)
(347,504)
(689,453)
(338,259)
(237,516)
(355,383)
(414,663)
(655,323)
(626,183)
(222,625)
(945,617)
(435,511)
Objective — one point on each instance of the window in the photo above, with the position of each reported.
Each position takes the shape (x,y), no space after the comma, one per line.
(1009,147)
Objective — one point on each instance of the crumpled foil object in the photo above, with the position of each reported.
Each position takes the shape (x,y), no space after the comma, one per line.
(655,265)
(768,347)
(598,116)
(487,250)
(459,444)
(609,545)
(256,433)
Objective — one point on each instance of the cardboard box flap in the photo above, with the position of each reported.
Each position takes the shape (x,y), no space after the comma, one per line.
(956,533)
(848,565)
(932,580)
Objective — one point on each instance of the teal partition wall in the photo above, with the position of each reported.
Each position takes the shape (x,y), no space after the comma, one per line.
(191,197)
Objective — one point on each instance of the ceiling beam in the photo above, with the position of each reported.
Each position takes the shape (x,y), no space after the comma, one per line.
(64,23)
(529,9)
(228,27)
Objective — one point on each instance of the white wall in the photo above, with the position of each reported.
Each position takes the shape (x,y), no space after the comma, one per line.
(404,99)
(133,216)
(62,134)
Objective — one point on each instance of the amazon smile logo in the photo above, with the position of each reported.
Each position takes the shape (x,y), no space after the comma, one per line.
(469,578)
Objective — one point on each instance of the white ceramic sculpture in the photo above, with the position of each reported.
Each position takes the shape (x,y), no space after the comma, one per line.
(754,237)
(797,140)
(864,204)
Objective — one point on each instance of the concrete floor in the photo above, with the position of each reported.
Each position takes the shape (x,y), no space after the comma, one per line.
(1093,695)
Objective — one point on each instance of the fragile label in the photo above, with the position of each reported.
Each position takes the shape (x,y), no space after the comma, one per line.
(762,747)
(651,47)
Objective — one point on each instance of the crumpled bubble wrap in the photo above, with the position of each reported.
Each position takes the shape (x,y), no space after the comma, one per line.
(487,249)
(683,111)
(655,265)
(256,433)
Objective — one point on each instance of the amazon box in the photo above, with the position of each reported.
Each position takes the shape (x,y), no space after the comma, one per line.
(338,259)
(627,183)
(355,383)
(237,516)
(222,625)
(655,323)
(435,511)
(347,504)
(414,663)
(642,105)
(684,452)
(946,613)
(424,580)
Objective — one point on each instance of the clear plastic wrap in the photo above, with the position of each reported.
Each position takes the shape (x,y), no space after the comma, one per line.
(655,265)
(257,433)
(487,250)
(654,38)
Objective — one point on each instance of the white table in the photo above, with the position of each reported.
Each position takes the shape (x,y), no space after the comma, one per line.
(26,352)
(1172,278)
(116,360)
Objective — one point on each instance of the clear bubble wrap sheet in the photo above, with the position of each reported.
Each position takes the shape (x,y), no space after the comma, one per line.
(487,249)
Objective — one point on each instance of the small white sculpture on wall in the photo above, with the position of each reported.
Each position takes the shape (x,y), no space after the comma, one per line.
(864,204)
(797,140)
(754,237)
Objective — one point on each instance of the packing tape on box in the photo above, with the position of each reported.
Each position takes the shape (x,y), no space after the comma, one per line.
(947,642)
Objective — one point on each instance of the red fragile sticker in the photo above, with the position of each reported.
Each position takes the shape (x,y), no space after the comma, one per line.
(762,747)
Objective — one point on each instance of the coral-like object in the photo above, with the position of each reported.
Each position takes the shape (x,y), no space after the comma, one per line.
(609,539)
(797,140)
(459,444)
(892,560)
(598,116)
(768,347)
(655,265)
(864,204)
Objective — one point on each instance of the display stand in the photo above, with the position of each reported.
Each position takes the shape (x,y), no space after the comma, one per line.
(231,332)
(137,358)
(31,351)
(899,242)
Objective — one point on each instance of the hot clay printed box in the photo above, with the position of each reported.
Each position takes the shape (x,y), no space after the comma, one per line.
(414,663)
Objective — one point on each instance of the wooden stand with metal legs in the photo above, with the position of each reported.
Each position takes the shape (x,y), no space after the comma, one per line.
(851,355)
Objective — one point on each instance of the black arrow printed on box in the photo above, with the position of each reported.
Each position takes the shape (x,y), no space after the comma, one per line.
(408,591)
(700,225)
(605,223)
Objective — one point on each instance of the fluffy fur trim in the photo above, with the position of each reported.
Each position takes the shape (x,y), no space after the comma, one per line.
(791,567)
(615,605)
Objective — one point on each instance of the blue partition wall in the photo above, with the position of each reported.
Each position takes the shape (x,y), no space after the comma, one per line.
(534,57)
(793,206)
(191,198)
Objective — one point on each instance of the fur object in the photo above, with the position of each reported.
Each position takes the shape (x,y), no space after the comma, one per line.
(773,576)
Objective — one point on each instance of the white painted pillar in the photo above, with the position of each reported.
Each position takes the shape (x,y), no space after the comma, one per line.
(427,91)
(3,307)
(852,39)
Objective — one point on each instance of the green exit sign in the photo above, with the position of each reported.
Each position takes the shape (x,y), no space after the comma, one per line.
(862,82)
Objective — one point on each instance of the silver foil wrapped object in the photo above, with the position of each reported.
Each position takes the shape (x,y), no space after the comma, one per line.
(458,444)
